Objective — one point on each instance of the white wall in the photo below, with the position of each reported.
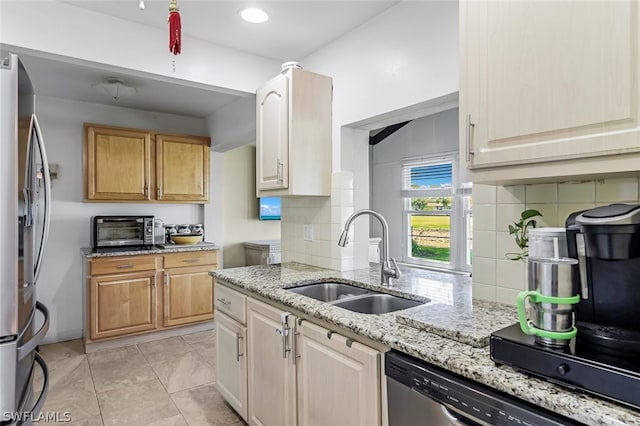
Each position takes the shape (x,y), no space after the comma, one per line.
(430,135)
(403,57)
(64,29)
(494,276)
(61,121)
(240,206)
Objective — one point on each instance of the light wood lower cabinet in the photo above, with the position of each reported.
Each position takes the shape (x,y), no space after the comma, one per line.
(130,295)
(297,372)
(272,373)
(231,363)
(123,304)
(188,295)
(338,379)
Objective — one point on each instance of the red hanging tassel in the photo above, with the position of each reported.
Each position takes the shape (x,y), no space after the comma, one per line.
(175,28)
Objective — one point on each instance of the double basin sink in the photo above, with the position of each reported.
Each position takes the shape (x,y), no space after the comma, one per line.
(355,299)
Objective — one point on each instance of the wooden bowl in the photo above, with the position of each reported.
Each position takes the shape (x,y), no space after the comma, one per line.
(186,239)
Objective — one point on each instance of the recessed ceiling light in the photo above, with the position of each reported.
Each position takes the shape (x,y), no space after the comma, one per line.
(254,15)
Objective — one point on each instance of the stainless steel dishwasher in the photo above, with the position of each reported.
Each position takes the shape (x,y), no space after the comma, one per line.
(422,394)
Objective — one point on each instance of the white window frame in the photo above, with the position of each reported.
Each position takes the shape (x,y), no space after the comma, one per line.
(457,213)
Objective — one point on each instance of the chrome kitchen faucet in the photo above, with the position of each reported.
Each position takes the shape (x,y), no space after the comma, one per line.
(389,266)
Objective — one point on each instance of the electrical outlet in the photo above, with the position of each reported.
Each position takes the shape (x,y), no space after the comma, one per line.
(307,234)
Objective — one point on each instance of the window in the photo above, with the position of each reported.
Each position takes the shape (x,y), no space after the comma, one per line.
(437,212)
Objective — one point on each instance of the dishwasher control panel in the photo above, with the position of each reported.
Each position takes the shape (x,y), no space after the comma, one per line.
(464,399)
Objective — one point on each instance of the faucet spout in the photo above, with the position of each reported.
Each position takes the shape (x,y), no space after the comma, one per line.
(389,266)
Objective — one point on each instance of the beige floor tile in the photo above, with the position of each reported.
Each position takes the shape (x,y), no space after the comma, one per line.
(93,421)
(203,336)
(136,404)
(71,391)
(207,350)
(204,406)
(172,345)
(60,352)
(184,371)
(119,368)
(176,420)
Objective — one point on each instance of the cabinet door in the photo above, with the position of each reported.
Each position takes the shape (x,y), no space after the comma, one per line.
(545,81)
(272,134)
(188,295)
(117,164)
(338,380)
(231,363)
(271,381)
(123,304)
(182,167)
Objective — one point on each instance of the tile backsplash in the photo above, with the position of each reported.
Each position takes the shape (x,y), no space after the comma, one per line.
(494,207)
(327,215)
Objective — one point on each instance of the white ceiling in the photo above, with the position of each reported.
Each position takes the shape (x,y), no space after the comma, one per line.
(295,29)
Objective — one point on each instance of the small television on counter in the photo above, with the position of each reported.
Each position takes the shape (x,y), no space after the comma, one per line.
(270,208)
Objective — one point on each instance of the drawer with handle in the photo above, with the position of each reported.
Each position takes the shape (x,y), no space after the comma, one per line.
(192,258)
(122,265)
(230,302)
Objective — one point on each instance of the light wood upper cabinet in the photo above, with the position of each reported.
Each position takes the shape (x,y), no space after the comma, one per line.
(338,380)
(118,164)
(293,134)
(123,304)
(543,82)
(182,168)
(140,165)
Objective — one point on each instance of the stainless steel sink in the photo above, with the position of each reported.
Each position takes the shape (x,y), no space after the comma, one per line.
(329,291)
(355,299)
(377,303)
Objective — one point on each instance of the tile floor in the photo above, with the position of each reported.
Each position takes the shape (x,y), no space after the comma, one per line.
(167,382)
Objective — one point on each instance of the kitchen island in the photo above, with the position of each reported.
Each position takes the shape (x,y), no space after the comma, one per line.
(455,338)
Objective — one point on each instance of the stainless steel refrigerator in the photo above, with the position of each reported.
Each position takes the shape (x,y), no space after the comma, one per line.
(25,207)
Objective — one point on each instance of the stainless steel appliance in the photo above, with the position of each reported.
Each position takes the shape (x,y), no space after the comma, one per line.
(122,231)
(422,394)
(25,208)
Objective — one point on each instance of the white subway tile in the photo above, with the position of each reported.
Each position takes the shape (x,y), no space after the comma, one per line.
(484,194)
(340,214)
(511,274)
(572,193)
(508,296)
(617,190)
(483,292)
(484,217)
(506,215)
(505,243)
(564,210)
(514,194)
(541,194)
(484,243)
(484,270)
(549,214)
(342,198)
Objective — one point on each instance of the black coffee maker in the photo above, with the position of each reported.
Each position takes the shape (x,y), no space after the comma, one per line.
(606,242)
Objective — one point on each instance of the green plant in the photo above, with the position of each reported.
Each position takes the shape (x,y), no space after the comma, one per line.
(519,229)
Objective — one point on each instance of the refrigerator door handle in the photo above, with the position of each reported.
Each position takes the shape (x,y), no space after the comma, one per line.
(37,408)
(47,196)
(30,346)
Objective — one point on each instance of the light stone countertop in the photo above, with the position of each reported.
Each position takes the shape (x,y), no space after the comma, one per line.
(419,332)
(87,252)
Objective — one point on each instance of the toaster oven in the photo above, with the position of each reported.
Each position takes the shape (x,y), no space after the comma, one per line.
(122,231)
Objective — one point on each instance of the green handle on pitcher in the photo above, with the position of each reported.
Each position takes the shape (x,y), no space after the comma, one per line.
(536,297)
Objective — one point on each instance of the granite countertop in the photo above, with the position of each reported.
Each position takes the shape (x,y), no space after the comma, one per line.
(450,331)
(204,246)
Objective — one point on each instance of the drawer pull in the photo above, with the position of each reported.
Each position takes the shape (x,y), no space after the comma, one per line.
(224,302)
(238,354)
(192,260)
(126,266)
